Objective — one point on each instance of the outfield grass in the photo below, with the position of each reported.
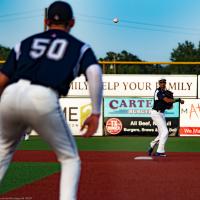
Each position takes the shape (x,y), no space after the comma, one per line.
(135,144)
(22,173)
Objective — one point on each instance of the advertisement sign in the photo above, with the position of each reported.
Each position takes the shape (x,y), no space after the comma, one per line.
(190,118)
(76,110)
(131,116)
(126,126)
(117,85)
(133,107)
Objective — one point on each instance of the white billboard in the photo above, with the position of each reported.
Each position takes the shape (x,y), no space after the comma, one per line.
(198,86)
(117,85)
(190,118)
(76,110)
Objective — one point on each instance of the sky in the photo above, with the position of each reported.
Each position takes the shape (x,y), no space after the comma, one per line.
(150,29)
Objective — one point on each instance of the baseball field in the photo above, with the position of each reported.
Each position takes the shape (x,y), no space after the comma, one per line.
(109,170)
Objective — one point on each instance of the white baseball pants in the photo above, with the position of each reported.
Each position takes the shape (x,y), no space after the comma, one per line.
(27,105)
(159,120)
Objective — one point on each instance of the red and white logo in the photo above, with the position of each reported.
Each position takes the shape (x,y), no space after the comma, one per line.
(114,126)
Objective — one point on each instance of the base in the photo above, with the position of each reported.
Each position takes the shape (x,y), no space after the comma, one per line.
(143,158)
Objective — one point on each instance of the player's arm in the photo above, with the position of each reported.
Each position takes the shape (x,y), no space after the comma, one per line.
(179,100)
(94,78)
(93,74)
(168,100)
(172,100)
(95,87)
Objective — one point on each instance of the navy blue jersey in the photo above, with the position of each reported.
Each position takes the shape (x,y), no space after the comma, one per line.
(159,103)
(53,58)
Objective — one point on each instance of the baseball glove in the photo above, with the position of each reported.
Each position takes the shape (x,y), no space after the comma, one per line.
(170,95)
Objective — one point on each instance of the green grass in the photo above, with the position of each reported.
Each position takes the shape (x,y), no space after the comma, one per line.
(20,173)
(135,144)
(34,143)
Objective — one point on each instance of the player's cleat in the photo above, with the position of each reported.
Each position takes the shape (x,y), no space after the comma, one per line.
(150,150)
(160,154)
(26,137)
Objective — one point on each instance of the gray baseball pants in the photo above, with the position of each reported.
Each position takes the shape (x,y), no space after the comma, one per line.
(159,120)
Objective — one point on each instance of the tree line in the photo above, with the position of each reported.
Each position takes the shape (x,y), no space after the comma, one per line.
(184,52)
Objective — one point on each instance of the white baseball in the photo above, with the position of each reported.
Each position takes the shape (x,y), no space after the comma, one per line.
(115,20)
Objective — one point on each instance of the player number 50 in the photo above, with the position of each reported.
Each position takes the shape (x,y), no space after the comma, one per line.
(55,51)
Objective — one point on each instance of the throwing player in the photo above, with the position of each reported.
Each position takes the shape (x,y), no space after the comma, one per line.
(162,101)
(37,72)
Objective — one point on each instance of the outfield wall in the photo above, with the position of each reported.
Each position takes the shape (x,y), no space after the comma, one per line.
(118,85)
(127,102)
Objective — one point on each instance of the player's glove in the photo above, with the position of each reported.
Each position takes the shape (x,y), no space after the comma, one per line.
(91,125)
(169,94)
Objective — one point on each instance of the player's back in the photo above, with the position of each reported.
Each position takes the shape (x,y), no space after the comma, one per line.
(50,58)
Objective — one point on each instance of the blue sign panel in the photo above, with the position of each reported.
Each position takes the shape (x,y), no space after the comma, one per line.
(134,107)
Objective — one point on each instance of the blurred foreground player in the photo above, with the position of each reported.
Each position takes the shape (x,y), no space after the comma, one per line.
(37,72)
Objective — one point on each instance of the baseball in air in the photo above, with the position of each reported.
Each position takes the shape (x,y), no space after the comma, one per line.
(115,20)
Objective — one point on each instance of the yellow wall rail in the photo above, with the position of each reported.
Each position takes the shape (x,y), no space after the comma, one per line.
(140,63)
(148,63)
(104,63)
(114,63)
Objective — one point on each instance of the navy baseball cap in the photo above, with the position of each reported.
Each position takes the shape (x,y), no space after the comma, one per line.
(59,12)
(162,80)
